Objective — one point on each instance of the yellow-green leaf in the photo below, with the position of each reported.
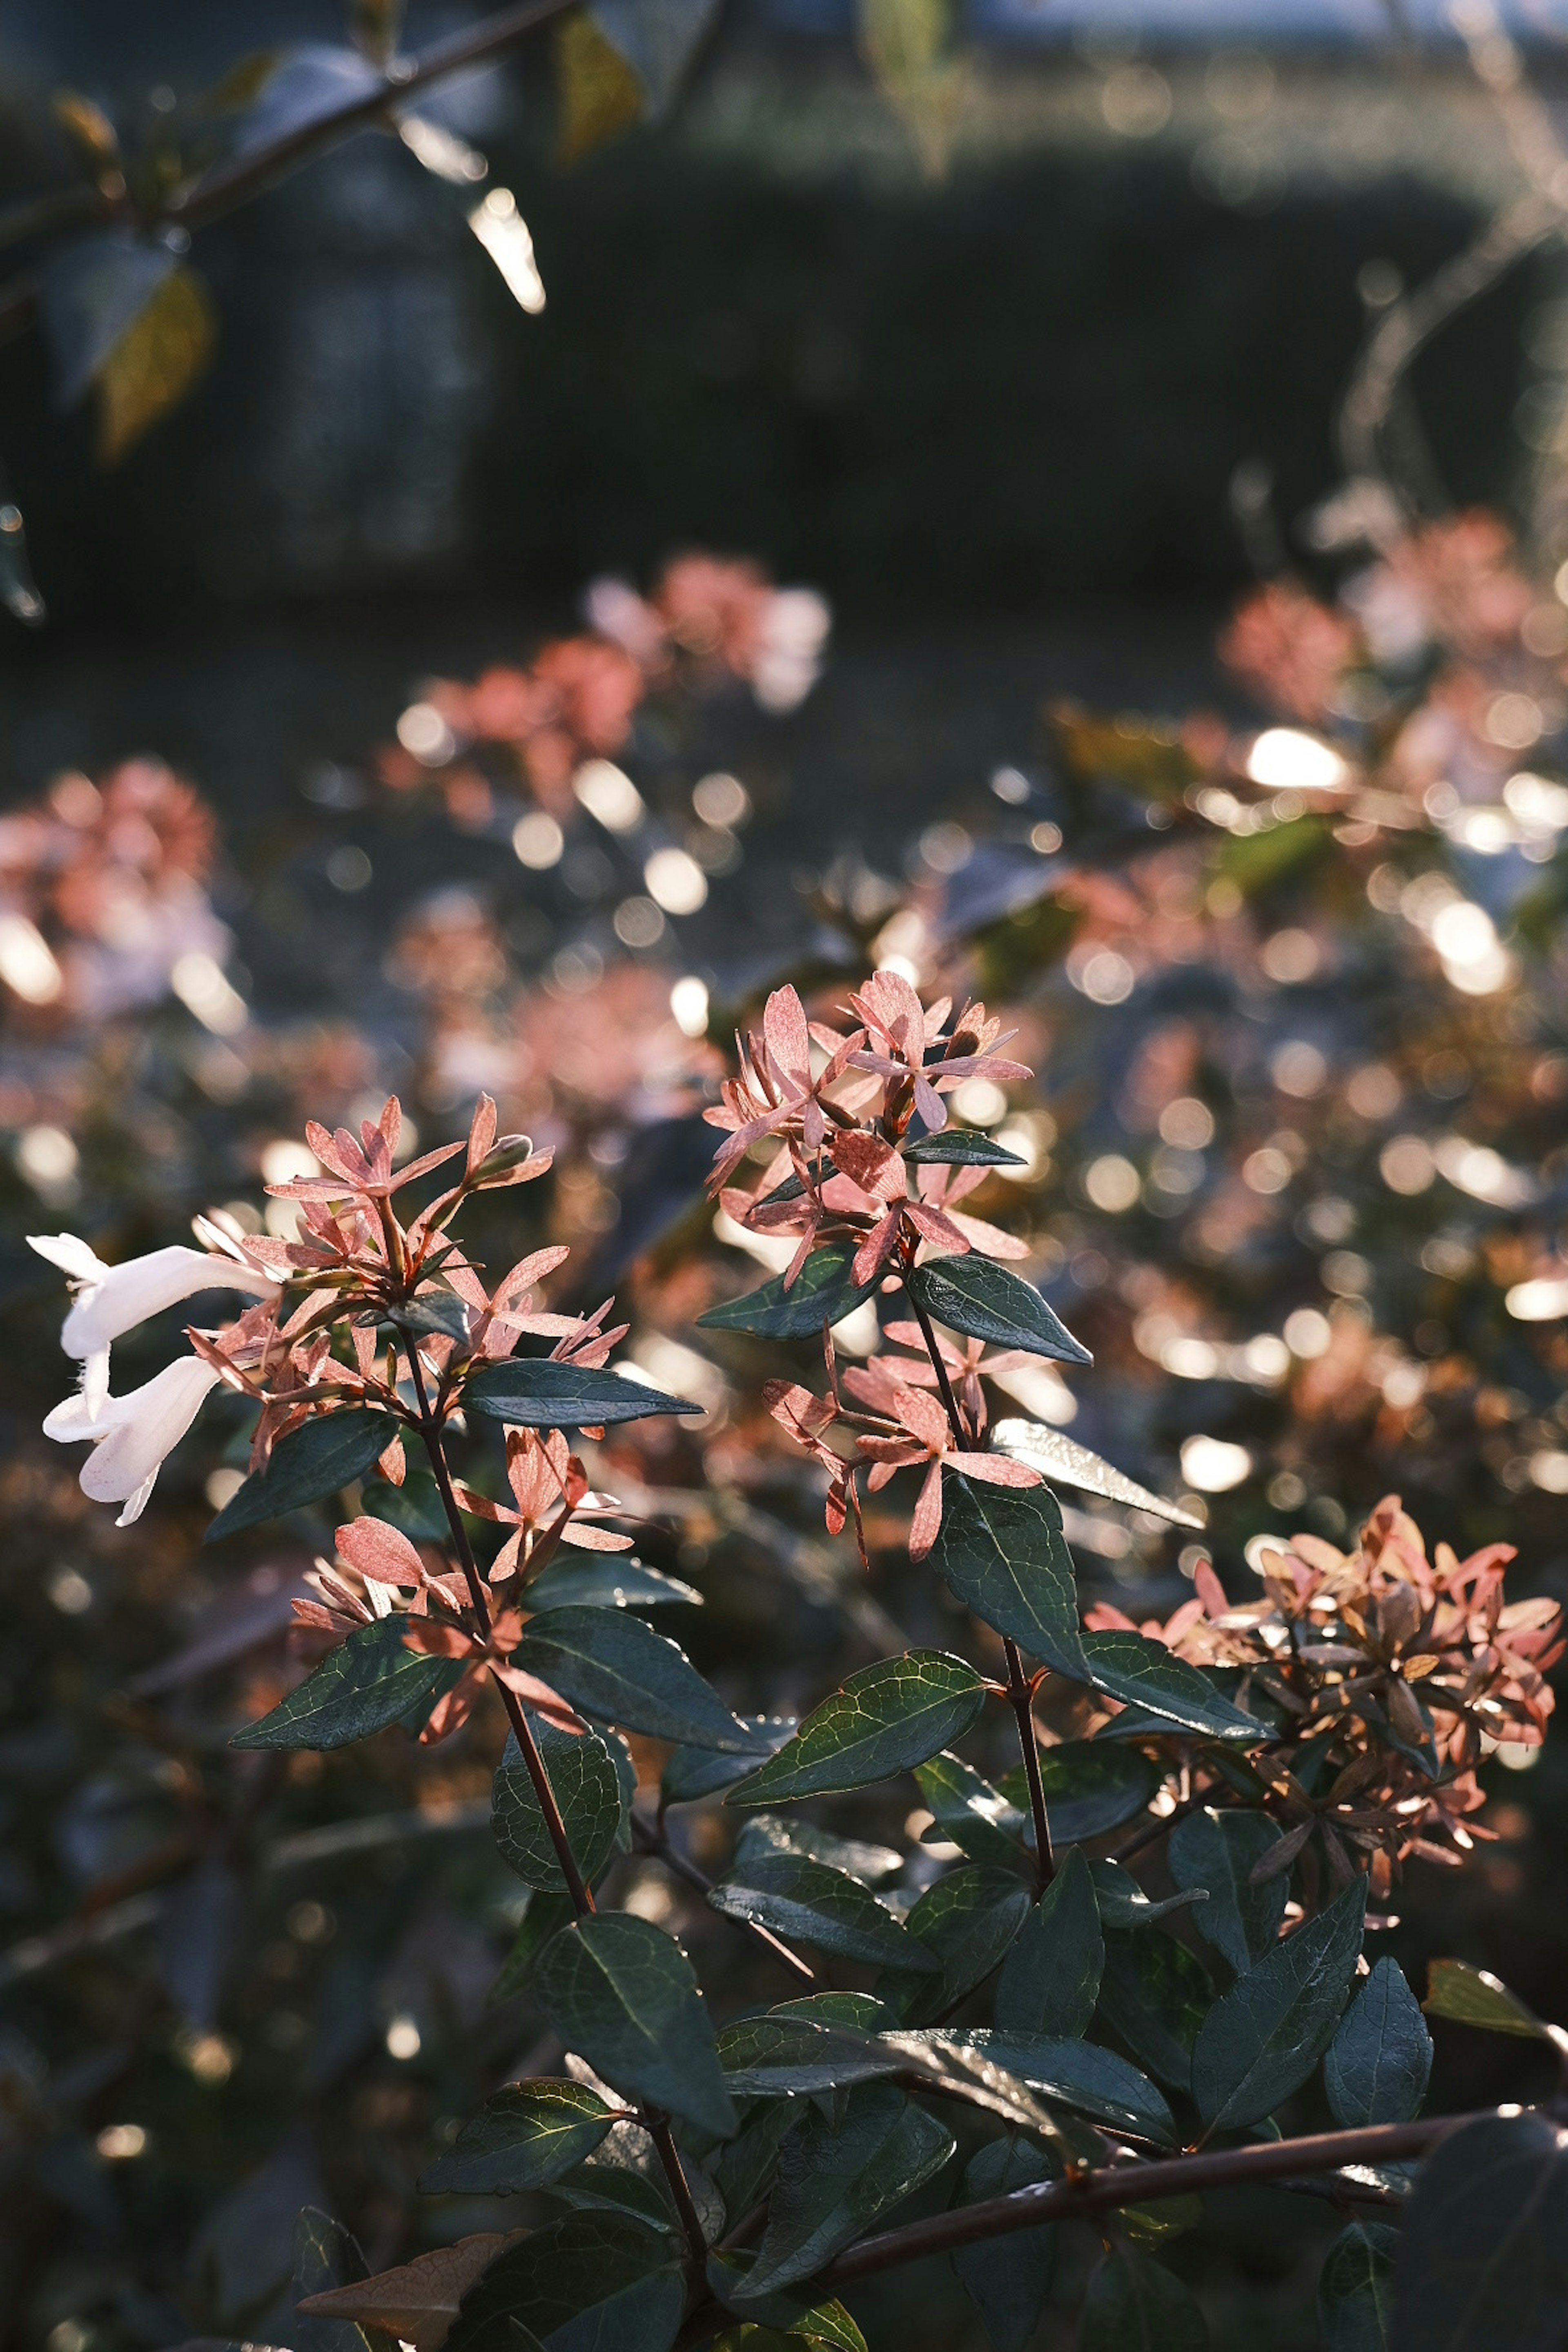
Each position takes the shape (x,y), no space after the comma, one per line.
(154,364)
(599,96)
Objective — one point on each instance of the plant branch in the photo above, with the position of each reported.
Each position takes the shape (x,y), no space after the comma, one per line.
(657,2126)
(1132,2184)
(657,1843)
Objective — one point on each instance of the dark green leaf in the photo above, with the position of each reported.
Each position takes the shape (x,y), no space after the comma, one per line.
(624,2174)
(1050,1980)
(1380,2061)
(806,1900)
(1149,1676)
(325,2256)
(1355,2289)
(1068,1464)
(968,1812)
(862,2010)
(1219,1851)
(770,1833)
(777,2322)
(837,2179)
(963,2066)
(1137,2306)
(1097,2082)
(1483,2256)
(885,1719)
(414,1509)
(536,1392)
(90,294)
(1091,1785)
(1001,1549)
(1471,1996)
(587,1789)
(744,2165)
(951,1147)
(543,1917)
(822,1292)
(692,1773)
(439,1312)
(607,1580)
(1261,2040)
(368,1682)
(765,2057)
(977,1296)
(1155,1994)
(1006,2279)
(324,1454)
(593,2282)
(1122,1901)
(968,1920)
(621,1992)
(610,1666)
(525,2135)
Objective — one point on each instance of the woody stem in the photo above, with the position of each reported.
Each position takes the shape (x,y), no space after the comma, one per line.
(1020,1698)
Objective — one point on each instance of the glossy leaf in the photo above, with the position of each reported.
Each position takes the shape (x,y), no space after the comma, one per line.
(591,2281)
(783,2317)
(1380,2061)
(951,1146)
(368,1683)
(772,1833)
(525,2135)
(607,1580)
(624,2175)
(807,1901)
(440,1313)
(1219,1851)
(965,2066)
(1090,1785)
(1355,2289)
(1156,1994)
(1068,1464)
(968,1812)
(766,2057)
(822,1291)
(1122,1901)
(587,1789)
(1050,1980)
(1483,2256)
(621,1992)
(536,1392)
(326,2256)
(1002,1550)
(1472,1996)
(1006,2279)
(1147,1675)
(1098,2082)
(611,1665)
(1261,2040)
(837,2179)
(1137,2306)
(968,1920)
(692,1773)
(543,1917)
(324,1454)
(885,1719)
(977,1296)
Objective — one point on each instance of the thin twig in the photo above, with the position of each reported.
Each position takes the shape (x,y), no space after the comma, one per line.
(657,2126)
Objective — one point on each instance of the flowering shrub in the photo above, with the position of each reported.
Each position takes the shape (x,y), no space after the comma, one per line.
(723,2177)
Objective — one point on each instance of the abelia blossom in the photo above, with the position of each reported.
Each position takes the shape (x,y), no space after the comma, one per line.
(132,1435)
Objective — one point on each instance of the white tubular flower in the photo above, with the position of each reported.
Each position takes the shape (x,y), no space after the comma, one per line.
(111,1300)
(132,1435)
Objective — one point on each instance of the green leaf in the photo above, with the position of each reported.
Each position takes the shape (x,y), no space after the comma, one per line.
(158,360)
(1090,1785)
(591,2281)
(414,1509)
(968,1812)
(744,2167)
(692,1773)
(441,1313)
(885,1719)
(91,293)
(326,2255)
(1483,2256)
(1219,1851)
(835,2180)
(659,39)
(804,1899)
(968,1920)
(621,1992)
(624,2175)
(1380,2061)
(1063,1460)
(1149,1676)
(1155,1994)
(324,1454)
(1137,2306)
(607,1580)
(951,1147)
(525,2135)
(1002,1550)
(781,2318)
(1261,2040)
(822,1292)
(770,1833)
(543,1917)
(862,2010)
(610,1666)
(1097,2083)
(1355,2289)
(1050,1980)
(1471,1996)
(965,2066)
(1123,1904)
(1006,2279)
(368,1682)
(765,2057)
(587,1789)
(536,1392)
(977,1296)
